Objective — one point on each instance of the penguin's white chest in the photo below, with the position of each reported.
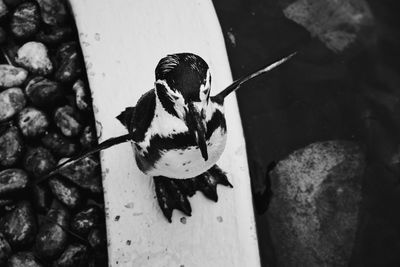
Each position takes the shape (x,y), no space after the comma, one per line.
(188,162)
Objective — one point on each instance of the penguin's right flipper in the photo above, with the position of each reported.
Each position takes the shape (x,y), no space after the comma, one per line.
(126,117)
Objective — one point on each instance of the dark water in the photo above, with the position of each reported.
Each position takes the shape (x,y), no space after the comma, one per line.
(322,95)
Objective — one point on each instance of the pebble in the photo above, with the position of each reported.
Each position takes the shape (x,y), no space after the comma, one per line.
(12,181)
(84,173)
(85,220)
(43,92)
(68,193)
(99,259)
(51,239)
(5,250)
(54,35)
(32,122)
(80,94)
(59,145)
(25,20)
(6,202)
(87,138)
(41,197)
(11,146)
(3,35)
(67,120)
(3,9)
(12,101)
(34,57)
(97,238)
(25,259)
(11,76)
(13,3)
(74,255)
(53,12)
(39,161)
(10,50)
(70,64)
(19,225)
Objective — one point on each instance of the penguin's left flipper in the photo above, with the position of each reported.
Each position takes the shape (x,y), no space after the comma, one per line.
(173,193)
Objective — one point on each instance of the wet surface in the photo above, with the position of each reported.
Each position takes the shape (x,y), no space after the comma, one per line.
(351,93)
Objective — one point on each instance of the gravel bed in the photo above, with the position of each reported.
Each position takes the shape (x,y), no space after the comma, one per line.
(46,116)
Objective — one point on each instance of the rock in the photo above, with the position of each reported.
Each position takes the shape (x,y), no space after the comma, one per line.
(87,139)
(97,238)
(51,239)
(84,173)
(5,202)
(13,3)
(85,220)
(25,20)
(68,193)
(19,225)
(25,259)
(76,255)
(43,92)
(98,259)
(12,181)
(11,76)
(69,66)
(53,12)
(39,161)
(54,35)
(34,57)
(10,49)
(315,204)
(5,250)
(3,9)
(11,146)
(68,121)
(41,197)
(3,35)
(12,101)
(80,95)
(337,24)
(32,122)
(59,144)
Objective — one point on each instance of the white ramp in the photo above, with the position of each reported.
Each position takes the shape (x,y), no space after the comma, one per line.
(122,42)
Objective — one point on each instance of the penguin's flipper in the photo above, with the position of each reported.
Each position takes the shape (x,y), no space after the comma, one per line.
(173,193)
(126,116)
(103,145)
(238,83)
(138,118)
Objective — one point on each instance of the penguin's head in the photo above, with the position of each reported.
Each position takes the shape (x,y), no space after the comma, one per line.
(183,84)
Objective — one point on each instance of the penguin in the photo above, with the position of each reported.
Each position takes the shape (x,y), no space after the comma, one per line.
(178,131)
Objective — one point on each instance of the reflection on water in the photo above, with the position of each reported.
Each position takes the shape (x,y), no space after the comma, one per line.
(343,85)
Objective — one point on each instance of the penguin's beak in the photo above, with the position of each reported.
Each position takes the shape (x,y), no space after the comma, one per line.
(196,124)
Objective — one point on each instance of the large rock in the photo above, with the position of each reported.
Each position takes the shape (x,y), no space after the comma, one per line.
(314,210)
(338,24)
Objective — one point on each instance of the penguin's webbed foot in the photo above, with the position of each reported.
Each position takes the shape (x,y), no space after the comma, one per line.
(173,193)
(170,197)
